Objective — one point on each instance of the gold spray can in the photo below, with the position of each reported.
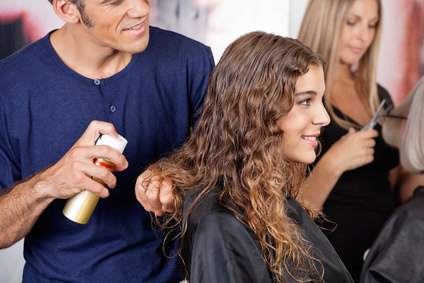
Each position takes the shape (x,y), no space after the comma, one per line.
(80,207)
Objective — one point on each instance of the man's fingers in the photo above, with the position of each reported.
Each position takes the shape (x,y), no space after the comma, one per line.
(94,130)
(165,196)
(147,191)
(97,188)
(155,193)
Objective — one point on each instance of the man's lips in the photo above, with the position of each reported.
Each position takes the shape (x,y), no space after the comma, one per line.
(136,27)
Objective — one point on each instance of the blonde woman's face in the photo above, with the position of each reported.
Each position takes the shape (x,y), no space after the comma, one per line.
(302,125)
(358,30)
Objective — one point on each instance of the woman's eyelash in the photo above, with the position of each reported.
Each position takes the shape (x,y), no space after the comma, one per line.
(305,101)
(352,23)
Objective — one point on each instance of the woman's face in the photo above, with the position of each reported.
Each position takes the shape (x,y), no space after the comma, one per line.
(358,30)
(302,125)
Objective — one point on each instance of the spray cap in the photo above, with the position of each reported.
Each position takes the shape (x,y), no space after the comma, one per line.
(117,143)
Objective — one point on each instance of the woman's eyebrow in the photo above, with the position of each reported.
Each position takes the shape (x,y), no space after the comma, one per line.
(308,92)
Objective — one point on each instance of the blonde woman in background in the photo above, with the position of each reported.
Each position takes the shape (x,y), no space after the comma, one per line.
(350,180)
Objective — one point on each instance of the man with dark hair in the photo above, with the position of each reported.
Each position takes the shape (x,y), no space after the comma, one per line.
(105,71)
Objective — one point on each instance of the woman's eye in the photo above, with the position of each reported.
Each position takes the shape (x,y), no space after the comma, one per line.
(305,101)
(350,23)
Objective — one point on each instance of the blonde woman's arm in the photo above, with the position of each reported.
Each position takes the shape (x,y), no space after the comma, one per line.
(353,150)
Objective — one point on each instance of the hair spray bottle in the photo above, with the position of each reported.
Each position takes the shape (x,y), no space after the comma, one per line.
(80,207)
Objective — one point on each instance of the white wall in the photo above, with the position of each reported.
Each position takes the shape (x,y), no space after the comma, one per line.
(12,263)
(297,9)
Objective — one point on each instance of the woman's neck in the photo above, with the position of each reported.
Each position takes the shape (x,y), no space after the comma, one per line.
(346,98)
(344,74)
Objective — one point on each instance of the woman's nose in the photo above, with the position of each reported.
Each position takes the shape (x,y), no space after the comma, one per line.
(365,32)
(321,118)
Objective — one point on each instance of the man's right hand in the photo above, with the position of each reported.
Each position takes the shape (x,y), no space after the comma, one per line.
(73,172)
(21,206)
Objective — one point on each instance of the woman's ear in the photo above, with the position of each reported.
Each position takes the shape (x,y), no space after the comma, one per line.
(67,11)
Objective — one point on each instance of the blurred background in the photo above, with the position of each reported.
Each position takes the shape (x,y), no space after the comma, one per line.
(217,23)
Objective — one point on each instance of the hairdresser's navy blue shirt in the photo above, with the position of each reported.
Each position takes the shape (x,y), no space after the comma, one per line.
(45,107)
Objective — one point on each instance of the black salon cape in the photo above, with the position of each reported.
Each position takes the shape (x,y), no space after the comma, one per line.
(397,255)
(218,248)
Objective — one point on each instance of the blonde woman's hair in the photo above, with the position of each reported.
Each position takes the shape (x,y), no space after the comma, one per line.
(321,30)
(409,141)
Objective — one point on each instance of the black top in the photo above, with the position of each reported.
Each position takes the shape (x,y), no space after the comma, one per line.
(397,254)
(361,201)
(219,248)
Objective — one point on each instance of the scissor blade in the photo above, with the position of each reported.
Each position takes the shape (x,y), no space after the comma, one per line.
(375,118)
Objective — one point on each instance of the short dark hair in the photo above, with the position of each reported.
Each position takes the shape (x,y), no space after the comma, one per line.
(72,1)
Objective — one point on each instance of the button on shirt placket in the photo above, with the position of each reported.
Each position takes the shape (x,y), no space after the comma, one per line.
(112,108)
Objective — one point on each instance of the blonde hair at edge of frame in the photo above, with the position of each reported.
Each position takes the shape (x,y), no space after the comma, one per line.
(410,142)
(321,30)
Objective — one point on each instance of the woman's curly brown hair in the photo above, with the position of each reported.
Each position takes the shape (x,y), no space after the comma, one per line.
(238,143)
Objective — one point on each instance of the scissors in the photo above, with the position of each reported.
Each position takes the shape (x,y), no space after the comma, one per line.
(377,116)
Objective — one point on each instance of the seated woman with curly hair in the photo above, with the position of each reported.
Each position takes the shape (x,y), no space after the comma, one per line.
(235,181)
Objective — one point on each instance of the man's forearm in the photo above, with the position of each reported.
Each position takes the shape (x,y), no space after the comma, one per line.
(20,208)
